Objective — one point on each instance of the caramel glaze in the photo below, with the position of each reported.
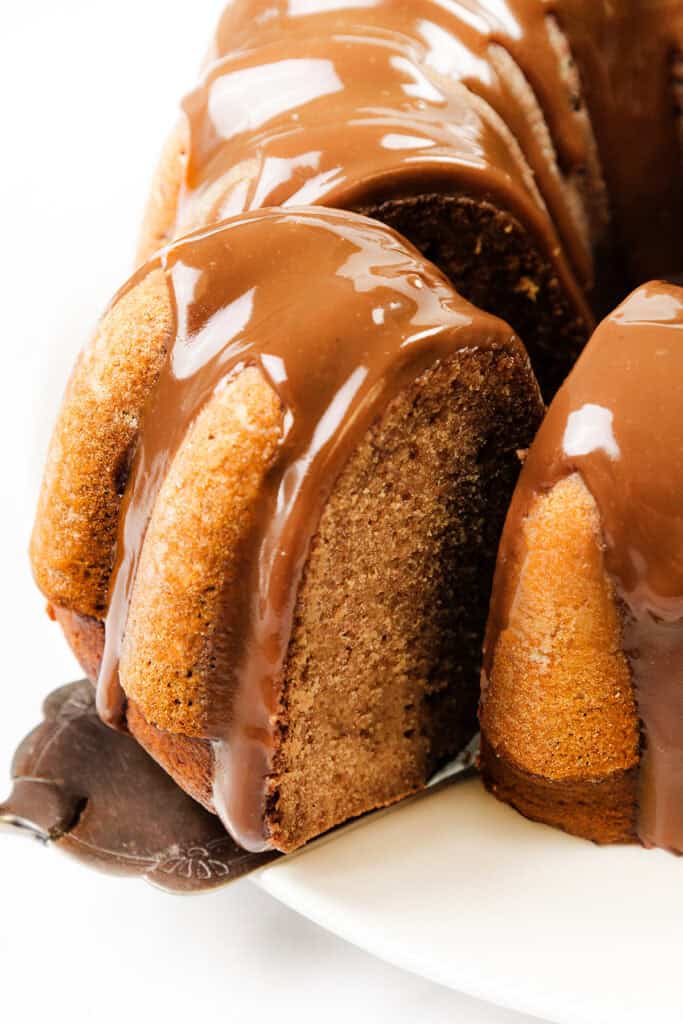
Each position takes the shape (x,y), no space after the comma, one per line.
(344,110)
(453,43)
(370,319)
(625,55)
(617,422)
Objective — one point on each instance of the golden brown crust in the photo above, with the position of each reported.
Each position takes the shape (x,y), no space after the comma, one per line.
(559,701)
(159,219)
(91,448)
(85,637)
(186,759)
(559,708)
(602,810)
(191,562)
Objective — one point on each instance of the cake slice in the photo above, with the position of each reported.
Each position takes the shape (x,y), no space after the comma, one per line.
(272,502)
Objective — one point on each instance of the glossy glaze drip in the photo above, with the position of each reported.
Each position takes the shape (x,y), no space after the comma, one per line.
(339,315)
(353,107)
(624,53)
(454,41)
(451,37)
(617,422)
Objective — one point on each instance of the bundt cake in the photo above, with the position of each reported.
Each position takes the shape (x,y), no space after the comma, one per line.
(273,497)
(588,90)
(497,136)
(279,478)
(582,704)
(341,107)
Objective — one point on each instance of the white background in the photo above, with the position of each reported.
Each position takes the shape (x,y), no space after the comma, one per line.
(87,93)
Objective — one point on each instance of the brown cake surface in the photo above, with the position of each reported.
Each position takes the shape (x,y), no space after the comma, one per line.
(581,702)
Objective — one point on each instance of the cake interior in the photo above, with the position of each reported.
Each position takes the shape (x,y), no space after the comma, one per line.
(382,676)
(494,263)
